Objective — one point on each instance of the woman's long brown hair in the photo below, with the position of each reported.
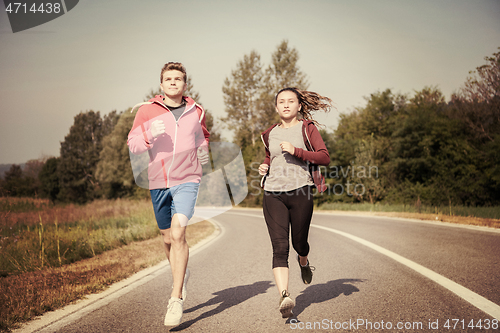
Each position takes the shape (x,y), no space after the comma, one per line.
(310,102)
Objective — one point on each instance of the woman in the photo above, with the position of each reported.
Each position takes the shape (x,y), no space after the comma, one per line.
(294,149)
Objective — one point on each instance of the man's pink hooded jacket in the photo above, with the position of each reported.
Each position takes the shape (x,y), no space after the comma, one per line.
(173,158)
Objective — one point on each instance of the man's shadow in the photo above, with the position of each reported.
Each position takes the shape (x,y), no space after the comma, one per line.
(227,298)
(319,293)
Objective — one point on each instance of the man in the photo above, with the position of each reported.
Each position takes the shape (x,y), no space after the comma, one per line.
(171,128)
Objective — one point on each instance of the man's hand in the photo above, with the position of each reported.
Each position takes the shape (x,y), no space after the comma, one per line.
(157,128)
(202,155)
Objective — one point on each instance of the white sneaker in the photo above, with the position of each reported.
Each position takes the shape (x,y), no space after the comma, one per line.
(174,312)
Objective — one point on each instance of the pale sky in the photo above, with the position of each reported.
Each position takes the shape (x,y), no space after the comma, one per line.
(107,55)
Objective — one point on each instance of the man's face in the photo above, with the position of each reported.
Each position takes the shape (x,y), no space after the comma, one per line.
(173,84)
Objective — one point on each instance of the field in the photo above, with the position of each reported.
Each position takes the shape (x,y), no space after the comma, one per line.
(51,256)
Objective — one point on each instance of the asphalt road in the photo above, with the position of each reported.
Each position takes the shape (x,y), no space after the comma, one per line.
(373,274)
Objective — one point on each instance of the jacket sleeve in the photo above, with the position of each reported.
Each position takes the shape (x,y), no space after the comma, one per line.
(320,155)
(140,138)
(202,139)
(267,160)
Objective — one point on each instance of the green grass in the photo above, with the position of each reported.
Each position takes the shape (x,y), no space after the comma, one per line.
(481,212)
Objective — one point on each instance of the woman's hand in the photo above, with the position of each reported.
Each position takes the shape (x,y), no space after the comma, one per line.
(263,169)
(287,146)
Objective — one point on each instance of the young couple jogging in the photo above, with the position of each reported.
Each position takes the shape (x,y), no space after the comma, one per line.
(171,129)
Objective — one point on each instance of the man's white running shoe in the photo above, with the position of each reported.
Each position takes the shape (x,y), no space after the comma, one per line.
(174,312)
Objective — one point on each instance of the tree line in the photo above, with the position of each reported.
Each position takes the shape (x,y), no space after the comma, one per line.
(398,148)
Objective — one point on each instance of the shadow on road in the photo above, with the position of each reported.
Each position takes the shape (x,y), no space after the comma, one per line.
(227,298)
(318,293)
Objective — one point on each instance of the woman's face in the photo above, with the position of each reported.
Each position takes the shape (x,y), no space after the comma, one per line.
(287,105)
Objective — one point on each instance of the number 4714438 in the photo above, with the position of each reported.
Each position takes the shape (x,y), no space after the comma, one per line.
(456,324)
(19,7)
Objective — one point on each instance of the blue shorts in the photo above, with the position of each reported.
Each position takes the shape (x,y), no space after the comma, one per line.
(179,199)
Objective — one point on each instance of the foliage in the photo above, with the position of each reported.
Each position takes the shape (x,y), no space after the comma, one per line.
(477,104)
(17,183)
(113,170)
(477,107)
(423,152)
(80,154)
(241,96)
(49,179)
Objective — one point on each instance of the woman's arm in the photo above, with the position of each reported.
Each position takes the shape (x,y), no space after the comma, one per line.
(320,155)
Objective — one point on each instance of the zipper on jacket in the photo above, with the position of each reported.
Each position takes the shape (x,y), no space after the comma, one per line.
(175,141)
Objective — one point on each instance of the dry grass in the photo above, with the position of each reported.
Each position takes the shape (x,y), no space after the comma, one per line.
(16,212)
(24,296)
(34,235)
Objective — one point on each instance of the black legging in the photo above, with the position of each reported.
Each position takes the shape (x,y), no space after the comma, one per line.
(283,209)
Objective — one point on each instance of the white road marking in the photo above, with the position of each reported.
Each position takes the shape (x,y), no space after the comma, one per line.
(476,300)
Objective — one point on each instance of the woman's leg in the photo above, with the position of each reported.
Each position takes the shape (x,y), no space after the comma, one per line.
(301,210)
(277,219)
(277,215)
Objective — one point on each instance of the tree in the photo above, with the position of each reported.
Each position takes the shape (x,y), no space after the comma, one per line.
(283,72)
(478,102)
(31,171)
(241,96)
(18,183)
(477,106)
(427,150)
(79,155)
(113,170)
(364,180)
(13,184)
(49,179)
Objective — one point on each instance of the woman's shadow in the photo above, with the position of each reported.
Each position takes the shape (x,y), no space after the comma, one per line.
(227,298)
(319,293)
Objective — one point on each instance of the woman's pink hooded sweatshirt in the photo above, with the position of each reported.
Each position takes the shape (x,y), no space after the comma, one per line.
(173,158)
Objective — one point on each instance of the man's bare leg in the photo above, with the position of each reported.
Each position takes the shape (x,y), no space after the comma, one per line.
(178,252)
